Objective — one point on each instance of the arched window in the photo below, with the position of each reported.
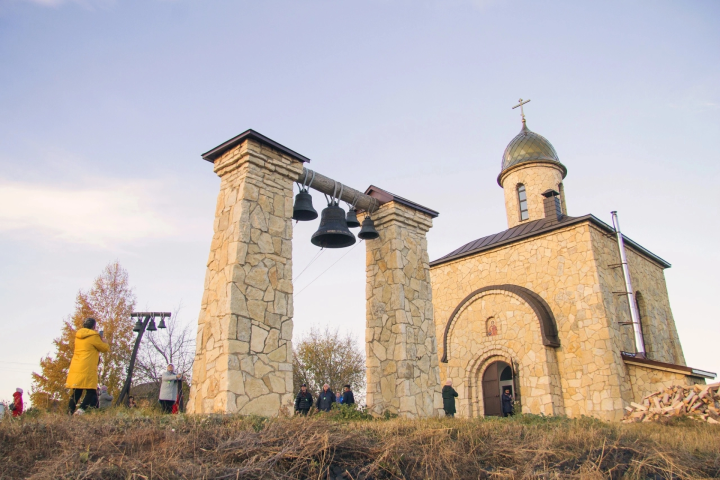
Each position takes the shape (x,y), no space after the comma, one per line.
(561,189)
(644,324)
(522,201)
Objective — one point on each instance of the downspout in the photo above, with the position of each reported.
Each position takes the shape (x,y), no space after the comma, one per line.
(634,314)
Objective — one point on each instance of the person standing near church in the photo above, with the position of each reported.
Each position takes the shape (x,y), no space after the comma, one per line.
(325,399)
(169,388)
(303,401)
(106,399)
(82,376)
(17,405)
(348,398)
(507,403)
(448,396)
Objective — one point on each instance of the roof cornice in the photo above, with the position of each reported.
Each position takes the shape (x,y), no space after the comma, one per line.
(251,134)
(565,222)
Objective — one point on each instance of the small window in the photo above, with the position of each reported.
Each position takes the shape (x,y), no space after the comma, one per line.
(522,198)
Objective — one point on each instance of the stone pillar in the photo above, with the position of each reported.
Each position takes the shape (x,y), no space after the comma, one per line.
(402,362)
(243,361)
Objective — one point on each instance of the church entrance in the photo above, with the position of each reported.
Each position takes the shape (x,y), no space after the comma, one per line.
(498,377)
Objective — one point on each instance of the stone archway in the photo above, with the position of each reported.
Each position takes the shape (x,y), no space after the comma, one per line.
(543,312)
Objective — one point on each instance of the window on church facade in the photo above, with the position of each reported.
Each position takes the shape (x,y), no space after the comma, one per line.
(522,199)
(561,189)
(644,324)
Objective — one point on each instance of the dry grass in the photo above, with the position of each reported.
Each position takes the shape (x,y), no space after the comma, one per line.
(143,445)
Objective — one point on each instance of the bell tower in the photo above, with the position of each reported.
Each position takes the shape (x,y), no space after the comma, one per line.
(530,167)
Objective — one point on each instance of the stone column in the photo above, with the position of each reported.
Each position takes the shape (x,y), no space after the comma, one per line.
(402,362)
(243,361)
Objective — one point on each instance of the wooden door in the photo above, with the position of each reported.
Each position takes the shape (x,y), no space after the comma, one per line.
(491,390)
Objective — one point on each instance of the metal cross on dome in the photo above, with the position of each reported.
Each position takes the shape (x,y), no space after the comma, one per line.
(522,113)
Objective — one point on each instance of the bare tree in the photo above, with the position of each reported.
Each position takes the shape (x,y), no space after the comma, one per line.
(324,356)
(174,344)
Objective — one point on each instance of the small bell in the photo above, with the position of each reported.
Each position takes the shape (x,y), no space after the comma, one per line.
(351,219)
(138,326)
(162,323)
(303,209)
(152,327)
(368,232)
(333,231)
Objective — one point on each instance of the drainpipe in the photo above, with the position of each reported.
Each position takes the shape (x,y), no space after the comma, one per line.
(634,314)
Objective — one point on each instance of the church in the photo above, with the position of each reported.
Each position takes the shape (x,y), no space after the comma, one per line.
(543,309)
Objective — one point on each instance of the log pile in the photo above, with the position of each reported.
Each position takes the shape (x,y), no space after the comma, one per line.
(699,402)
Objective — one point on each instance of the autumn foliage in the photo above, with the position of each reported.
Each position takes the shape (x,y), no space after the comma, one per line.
(325,356)
(110,301)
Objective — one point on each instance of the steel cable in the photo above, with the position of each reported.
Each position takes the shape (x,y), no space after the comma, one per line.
(336,261)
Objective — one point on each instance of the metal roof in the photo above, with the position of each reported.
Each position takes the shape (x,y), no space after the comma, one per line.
(535,228)
(384,196)
(211,155)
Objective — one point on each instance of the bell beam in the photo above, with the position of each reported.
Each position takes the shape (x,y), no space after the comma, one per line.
(327,185)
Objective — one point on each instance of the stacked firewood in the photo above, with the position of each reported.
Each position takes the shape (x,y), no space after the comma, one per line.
(699,402)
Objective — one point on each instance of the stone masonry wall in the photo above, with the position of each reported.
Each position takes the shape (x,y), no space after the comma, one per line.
(646,380)
(662,342)
(560,267)
(569,269)
(402,358)
(537,178)
(243,361)
(517,341)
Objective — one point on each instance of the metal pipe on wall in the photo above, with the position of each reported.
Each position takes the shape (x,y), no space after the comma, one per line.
(327,185)
(634,313)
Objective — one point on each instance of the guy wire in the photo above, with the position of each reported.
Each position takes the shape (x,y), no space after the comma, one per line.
(336,261)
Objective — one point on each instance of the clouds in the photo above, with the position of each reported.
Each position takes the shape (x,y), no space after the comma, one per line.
(103,213)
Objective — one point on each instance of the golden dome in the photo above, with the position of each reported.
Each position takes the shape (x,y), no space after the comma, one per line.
(529,146)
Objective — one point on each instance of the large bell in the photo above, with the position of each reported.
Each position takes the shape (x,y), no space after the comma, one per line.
(351,219)
(368,232)
(333,231)
(303,209)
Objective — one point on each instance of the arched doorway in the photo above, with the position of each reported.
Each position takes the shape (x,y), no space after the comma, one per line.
(498,376)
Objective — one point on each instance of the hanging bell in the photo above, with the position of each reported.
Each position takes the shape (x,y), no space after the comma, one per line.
(303,209)
(333,231)
(138,326)
(351,219)
(152,327)
(368,232)
(162,323)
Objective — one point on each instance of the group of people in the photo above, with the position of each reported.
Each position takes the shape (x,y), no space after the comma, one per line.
(326,397)
(449,394)
(82,379)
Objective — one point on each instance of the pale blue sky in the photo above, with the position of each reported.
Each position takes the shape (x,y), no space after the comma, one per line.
(106,106)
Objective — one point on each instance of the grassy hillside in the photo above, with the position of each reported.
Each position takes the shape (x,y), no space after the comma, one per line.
(142,444)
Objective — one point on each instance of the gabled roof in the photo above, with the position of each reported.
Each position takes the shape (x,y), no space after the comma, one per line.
(384,196)
(211,155)
(535,228)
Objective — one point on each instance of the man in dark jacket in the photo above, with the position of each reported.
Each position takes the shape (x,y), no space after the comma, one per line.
(325,399)
(303,401)
(507,403)
(448,396)
(347,397)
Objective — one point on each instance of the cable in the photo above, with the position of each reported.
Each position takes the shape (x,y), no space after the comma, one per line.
(317,255)
(336,261)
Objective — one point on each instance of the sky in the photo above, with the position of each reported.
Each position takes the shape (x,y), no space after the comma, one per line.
(107,105)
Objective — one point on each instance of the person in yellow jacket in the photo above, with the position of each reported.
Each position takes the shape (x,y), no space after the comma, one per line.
(82,376)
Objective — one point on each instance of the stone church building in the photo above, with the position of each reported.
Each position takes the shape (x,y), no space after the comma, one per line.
(539,308)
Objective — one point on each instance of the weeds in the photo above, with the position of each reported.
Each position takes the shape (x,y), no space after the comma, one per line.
(127,444)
